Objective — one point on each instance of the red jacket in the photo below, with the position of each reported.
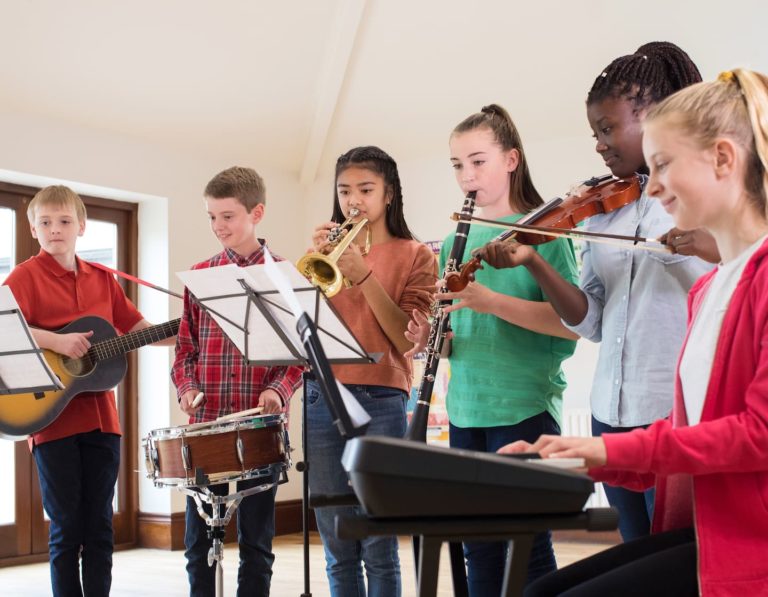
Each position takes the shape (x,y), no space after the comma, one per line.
(714,474)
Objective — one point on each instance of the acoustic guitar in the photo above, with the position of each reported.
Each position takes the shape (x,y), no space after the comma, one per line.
(102,368)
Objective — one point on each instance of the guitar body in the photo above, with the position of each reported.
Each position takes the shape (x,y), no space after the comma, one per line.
(22,414)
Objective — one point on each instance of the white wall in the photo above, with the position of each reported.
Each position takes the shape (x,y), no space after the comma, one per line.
(173,234)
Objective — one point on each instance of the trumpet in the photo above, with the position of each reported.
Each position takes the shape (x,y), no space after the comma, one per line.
(321,269)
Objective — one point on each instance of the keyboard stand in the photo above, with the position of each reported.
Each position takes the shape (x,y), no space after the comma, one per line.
(518,531)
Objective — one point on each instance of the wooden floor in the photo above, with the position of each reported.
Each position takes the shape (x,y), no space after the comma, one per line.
(148,572)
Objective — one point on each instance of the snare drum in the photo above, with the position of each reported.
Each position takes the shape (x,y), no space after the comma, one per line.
(217,452)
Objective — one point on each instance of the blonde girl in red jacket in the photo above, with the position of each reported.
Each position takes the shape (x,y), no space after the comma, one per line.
(707,150)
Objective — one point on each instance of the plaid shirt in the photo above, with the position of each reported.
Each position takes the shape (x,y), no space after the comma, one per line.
(206,359)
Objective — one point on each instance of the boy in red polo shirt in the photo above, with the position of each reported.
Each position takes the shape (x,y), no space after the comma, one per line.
(78,455)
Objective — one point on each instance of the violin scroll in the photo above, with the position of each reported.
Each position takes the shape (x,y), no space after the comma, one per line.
(458,280)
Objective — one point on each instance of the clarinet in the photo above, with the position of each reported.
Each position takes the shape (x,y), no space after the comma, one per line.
(417,428)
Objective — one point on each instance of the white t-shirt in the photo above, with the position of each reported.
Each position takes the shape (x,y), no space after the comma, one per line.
(699,352)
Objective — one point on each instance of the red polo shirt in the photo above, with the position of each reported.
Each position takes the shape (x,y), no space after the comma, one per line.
(50,297)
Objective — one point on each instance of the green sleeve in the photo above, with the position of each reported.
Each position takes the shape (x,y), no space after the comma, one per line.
(560,255)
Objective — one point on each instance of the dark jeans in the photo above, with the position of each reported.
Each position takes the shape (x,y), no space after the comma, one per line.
(659,565)
(255,529)
(485,561)
(635,507)
(77,481)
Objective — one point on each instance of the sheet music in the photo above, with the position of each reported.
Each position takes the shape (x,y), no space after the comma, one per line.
(24,371)
(219,289)
(338,341)
(282,284)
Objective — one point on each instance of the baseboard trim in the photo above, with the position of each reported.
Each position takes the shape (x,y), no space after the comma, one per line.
(288,518)
(582,536)
(160,531)
(166,531)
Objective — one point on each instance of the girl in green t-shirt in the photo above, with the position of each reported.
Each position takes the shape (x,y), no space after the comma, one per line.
(508,342)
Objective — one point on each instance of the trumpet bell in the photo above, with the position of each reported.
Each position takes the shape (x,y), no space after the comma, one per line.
(321,272)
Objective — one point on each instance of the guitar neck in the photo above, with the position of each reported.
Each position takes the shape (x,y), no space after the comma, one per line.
(133,340)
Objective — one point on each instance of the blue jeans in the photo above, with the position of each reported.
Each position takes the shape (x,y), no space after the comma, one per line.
(255,530)
(327,477)
(635,507)
(77,481)
(486,561)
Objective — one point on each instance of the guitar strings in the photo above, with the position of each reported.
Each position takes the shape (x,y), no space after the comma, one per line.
(117,345)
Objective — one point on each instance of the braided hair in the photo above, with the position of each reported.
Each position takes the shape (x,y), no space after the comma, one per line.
(379,161)
(655,71)
(523,195)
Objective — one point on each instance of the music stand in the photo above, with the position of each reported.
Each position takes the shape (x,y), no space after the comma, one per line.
(258,308)
(23,369)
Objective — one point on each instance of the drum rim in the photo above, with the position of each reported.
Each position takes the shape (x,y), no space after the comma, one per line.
(209,427)
(225,477)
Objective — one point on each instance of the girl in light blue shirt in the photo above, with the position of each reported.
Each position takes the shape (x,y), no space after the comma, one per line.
(631,301)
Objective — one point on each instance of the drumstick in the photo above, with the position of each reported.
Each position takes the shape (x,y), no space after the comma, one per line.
(242,413)
(198,400)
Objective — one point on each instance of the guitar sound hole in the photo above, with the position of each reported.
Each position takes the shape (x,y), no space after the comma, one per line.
(77,367)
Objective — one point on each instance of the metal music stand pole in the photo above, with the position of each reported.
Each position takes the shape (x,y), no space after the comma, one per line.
(303,468)
(320,370)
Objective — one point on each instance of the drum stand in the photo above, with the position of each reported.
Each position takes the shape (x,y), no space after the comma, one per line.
(217,523)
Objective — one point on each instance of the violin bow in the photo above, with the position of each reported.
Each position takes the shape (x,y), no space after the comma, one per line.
(648,244)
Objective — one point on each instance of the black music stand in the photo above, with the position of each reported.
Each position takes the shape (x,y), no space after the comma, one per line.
(283,333)
(23,369)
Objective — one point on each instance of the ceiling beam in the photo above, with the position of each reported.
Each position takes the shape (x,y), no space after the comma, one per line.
(341,41)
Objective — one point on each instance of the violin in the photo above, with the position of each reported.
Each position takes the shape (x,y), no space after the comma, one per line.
(599,195)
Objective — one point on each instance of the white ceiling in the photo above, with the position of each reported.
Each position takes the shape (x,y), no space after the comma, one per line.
(297,82)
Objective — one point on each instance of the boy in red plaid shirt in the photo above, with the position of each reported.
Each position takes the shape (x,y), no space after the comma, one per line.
(207,361)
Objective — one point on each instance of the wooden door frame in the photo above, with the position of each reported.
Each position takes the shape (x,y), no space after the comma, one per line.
(35,539)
